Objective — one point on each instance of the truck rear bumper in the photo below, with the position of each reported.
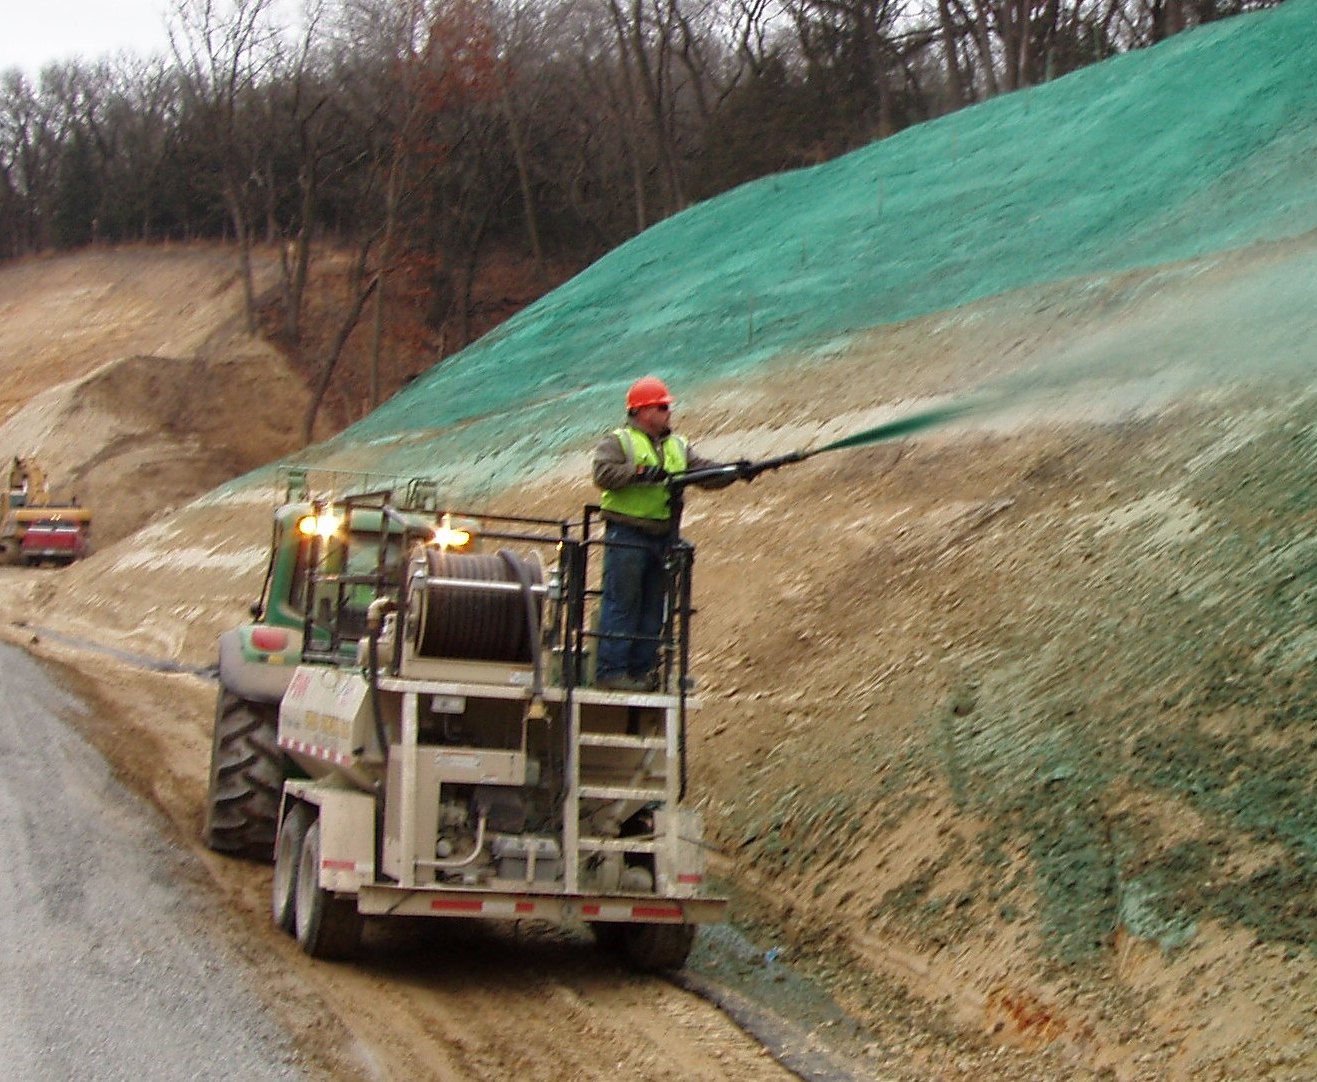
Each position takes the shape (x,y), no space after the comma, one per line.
(383,900)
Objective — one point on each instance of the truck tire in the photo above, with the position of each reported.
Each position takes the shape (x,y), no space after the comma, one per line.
(325,926)
(246,778)
(287,856)
(654,947)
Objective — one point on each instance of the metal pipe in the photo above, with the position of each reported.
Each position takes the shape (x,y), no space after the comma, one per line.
(430,581)
(469,859)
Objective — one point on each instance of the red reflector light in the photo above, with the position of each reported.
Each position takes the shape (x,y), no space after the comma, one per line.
(269,639)
(655,912)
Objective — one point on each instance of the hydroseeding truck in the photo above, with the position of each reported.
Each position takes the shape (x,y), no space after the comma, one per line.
(409,728)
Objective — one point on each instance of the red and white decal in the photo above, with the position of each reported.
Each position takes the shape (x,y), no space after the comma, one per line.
(521,908)
(623,911)
(475,907)
(346,866)
(314,750)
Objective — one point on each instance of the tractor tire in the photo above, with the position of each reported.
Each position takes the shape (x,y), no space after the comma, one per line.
(247,772)
(326,927)
(655,947)
(287,856)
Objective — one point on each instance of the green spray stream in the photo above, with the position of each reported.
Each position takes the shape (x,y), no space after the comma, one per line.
(889,430)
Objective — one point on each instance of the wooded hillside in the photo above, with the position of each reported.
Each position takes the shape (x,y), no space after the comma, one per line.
(425,137)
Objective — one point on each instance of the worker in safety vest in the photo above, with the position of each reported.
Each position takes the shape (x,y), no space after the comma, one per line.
(631,465)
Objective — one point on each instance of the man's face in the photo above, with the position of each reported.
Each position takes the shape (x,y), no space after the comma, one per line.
(653,420)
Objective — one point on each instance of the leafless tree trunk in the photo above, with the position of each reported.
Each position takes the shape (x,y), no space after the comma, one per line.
(650,74)
(362,285)
(982,24)
(951,54)
(308,105)
(517,70)
(233,199)
(223,61)
(522,159)
(391,200)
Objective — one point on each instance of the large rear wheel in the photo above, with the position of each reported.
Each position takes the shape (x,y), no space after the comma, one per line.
(287,857)
(653,947)
(246,778)
(326,927)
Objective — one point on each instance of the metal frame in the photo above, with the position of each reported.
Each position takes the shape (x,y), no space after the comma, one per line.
(588,718)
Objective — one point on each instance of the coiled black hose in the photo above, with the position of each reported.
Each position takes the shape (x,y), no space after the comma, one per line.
(460,621)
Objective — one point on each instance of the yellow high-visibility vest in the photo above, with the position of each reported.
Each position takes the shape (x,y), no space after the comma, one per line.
(645,501)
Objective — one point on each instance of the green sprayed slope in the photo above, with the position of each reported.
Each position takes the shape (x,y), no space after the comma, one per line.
(1202,144)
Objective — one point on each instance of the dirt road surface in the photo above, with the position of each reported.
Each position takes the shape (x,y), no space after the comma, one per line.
(108,969)
(431,1000)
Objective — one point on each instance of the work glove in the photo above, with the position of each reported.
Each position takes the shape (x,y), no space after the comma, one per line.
(745,469)
(651,475)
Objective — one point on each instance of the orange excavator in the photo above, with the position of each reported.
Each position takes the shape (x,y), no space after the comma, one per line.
(26,507)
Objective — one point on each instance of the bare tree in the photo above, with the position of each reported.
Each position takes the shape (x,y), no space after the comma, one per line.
(362,283)
(645,43)
(223,60)
(524,30)
(302,98)
(136,133)
(32,137)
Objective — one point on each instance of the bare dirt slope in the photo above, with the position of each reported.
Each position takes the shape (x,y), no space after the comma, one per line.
(1006,729)
(126,375)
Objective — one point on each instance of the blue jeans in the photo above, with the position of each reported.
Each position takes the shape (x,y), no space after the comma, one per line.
(632,603)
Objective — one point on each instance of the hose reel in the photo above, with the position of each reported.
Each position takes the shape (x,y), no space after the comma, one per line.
(474,606)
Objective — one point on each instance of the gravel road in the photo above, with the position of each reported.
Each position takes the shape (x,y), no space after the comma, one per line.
(106,968)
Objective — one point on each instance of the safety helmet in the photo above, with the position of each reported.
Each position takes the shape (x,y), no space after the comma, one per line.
(648,391)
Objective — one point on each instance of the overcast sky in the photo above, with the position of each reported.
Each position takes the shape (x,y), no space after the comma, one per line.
(35,32)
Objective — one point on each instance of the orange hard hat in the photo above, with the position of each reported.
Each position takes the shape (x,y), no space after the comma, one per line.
(648,391)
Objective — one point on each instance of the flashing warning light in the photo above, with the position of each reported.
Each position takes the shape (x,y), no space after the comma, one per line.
(448,536)
(321,525)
